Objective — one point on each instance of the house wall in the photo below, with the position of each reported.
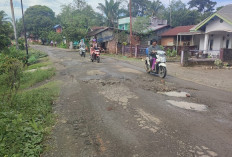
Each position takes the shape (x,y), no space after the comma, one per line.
(111,46)
(216,25)
(145,40)
(219,41)
(105,36)
(167,41)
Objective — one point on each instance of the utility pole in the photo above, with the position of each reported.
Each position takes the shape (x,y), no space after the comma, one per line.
(130,30)
(170,13)
(14,26)
(25,35)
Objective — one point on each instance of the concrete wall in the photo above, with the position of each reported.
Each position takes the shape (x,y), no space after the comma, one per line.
(226,55)
(216,25)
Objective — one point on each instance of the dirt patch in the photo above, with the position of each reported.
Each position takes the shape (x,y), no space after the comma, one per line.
(129,70)
(95,72)
(155,85)
(118,93)
(147,121)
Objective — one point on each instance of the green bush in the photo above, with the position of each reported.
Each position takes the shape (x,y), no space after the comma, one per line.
(32,60)
(10,76)
(64,46)
(21,43)
(218,63)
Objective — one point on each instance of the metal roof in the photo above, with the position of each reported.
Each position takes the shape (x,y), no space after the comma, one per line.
(225,14)
(177,30)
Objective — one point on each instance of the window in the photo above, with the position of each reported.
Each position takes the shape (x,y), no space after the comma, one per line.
(227,43)
(211,45)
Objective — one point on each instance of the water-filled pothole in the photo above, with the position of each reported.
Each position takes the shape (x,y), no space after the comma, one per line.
(188,105)
(176,94)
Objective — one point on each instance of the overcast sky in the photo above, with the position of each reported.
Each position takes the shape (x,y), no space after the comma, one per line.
(55,4)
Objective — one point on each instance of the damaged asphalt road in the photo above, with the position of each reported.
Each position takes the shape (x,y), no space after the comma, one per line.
(115,109)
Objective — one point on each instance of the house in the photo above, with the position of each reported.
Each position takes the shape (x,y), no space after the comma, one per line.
(179,37)
(153,31)
(107,38)
(124,23)
(58,28)
(216,32)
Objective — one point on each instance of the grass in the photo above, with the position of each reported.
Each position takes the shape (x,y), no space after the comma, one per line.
(25,124)
(39,65)
(25,121)
(31,78)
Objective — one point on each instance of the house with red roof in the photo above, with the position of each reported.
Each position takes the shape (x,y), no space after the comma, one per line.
(180,36)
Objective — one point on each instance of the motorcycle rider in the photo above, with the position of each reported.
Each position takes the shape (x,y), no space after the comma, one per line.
(93,47)
(81,47)
(152,50)
(82,44)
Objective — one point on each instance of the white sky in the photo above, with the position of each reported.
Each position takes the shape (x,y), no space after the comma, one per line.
(55,4)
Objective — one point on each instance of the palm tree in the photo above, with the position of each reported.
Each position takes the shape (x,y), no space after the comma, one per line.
(155,8)
(111,11)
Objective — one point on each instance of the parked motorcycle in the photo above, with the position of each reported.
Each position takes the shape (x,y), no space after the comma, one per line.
(95,55)
(160,66)
(82,52)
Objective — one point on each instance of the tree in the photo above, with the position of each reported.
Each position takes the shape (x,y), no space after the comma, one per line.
(181,15)
(155,8)
(111,10)
(202,5)
(141,24)
(6,31)
(140,7)
(39,20)
(76,20)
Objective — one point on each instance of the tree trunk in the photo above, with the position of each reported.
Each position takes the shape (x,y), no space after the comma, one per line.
(13,21)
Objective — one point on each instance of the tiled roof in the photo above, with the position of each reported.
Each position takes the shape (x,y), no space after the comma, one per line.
(177,30)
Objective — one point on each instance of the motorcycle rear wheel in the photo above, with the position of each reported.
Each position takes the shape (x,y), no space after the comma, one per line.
(98,59)
(147,68)
(162,72)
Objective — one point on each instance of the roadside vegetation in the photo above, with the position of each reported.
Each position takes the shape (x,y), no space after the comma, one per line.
(25,106)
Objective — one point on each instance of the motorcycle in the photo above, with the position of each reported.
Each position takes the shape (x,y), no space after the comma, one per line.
(160,66)
(82,52)
(95,55)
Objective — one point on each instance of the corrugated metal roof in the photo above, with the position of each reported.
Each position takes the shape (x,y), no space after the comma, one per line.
(95,32)
(224,13)
(175,31)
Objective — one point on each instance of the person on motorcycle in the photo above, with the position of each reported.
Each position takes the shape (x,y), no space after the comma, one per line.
(82,44)
(152,50)
(93,47)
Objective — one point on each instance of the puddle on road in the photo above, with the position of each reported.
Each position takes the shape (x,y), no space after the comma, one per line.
(187,105)
(129,70)
(176,94)
(95,72)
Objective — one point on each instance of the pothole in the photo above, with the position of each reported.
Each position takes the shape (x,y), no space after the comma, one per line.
(129,70)
(95,72)
(176,94)
(188,106)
